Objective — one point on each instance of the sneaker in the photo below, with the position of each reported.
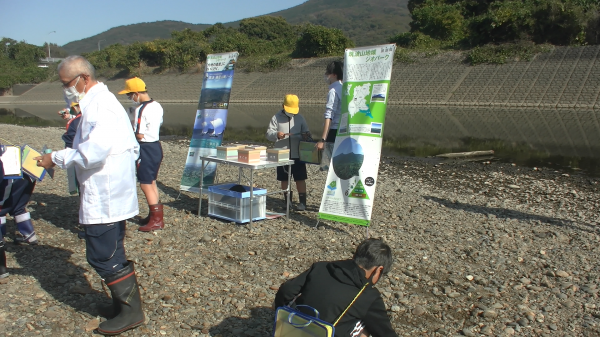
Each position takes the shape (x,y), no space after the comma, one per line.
(300,207)
(31,240)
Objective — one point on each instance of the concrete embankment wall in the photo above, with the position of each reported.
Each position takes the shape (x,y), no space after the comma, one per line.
(566,77)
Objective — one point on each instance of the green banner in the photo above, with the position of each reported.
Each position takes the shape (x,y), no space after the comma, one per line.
(352,177)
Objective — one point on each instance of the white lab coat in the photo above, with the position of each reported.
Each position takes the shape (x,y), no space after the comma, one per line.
(104,154)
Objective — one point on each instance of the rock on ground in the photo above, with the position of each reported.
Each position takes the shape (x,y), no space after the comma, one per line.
(473,256)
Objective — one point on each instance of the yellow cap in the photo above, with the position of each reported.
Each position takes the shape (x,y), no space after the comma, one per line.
(133,85)
(74,104)
(290,104)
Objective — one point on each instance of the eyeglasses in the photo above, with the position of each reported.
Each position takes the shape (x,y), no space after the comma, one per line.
(66,85)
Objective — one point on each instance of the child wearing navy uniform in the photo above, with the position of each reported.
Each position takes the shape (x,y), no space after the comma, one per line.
(146,125)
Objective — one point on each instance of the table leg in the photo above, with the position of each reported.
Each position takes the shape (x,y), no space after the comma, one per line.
(201,185)
(289,198)
(251,193)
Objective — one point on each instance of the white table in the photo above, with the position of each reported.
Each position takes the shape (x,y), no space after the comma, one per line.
(262,164)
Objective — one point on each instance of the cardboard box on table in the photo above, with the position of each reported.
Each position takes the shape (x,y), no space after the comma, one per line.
(248,156)
(262,149)
(229,152)
(277,155)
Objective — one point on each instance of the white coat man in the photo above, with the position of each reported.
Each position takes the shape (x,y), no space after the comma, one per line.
(103,154)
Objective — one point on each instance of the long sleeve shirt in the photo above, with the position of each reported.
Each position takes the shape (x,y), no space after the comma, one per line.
(333,108)
(295,125)
(104,154)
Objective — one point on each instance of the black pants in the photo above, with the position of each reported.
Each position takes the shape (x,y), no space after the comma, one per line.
(331,136)
(14,203)
(104,247)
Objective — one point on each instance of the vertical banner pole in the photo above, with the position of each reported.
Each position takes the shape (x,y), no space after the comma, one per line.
(211,120)
(352,176)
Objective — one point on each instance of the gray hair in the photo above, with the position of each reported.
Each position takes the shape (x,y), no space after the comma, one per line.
(76,65)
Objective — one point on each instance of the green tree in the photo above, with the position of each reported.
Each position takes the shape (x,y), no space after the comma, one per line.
(268,28)
(320,41)
(18,63)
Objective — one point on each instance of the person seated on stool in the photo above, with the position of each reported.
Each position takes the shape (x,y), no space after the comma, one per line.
(286,129)
(147,121)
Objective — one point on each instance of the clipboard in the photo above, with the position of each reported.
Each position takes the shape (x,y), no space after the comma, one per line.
(11,161)
(29,165)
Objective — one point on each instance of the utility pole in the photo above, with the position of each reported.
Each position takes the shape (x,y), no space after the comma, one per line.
(99,44)
(49,45)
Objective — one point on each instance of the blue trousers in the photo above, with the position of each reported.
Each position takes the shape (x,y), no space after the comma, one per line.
(15,194)
(104,247)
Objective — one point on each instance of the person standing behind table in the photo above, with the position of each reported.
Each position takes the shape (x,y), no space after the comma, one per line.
(104,154)
(286,129)
(334,75)
(146,125)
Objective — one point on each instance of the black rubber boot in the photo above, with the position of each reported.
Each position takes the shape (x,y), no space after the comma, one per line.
(125,291)
(109,311)
(3,270)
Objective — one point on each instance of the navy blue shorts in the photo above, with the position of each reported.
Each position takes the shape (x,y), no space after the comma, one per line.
(298,171)
(15,202)
(151,155)
(104,247)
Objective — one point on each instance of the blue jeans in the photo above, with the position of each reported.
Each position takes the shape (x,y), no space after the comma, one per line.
(104,247)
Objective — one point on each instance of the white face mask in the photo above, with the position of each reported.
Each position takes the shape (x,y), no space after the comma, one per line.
(72,94)
(326,78)
(133,101)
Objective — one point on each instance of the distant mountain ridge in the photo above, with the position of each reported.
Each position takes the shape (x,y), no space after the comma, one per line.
(365,22)
(145,31)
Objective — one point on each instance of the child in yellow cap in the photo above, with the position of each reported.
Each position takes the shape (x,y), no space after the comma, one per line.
(286,129)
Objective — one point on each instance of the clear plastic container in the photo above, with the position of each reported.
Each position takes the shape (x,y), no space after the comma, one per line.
(235,206)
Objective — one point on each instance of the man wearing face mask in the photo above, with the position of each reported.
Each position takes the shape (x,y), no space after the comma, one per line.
(147,120)
(103,154)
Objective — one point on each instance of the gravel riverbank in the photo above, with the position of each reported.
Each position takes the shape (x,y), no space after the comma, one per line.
(481,249)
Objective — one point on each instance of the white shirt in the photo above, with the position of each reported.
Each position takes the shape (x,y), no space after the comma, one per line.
(150,121)
(333,108)
(104,154)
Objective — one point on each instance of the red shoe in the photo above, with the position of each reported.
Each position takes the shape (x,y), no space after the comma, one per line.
(156,219)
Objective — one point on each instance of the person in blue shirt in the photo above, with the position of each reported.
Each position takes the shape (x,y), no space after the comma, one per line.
(334,75)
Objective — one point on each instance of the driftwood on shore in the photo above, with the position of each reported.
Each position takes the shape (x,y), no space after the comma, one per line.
(466,154)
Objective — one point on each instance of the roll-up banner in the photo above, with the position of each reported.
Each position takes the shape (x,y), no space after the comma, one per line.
(352,177)
(211,119)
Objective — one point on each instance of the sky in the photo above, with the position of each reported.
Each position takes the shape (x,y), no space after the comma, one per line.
(60,21)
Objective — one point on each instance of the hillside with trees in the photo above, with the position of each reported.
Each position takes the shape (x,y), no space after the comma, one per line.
(18,63)
(496,30)
(139,32)
(365,22)
(264,43)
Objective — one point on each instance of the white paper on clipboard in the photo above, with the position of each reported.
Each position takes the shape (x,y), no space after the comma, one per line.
(11,161)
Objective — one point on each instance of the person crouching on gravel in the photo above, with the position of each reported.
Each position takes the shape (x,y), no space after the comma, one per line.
(332,287)
(286,129)
(147,121)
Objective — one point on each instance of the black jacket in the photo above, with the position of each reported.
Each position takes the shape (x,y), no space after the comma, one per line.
(329,287)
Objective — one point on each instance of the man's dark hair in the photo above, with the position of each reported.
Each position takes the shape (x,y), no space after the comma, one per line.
(336,68)
(374,253)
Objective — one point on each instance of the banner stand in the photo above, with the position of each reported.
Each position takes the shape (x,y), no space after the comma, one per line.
(351,180)
(211,120)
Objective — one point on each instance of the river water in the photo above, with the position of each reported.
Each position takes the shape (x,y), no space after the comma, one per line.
(558,139)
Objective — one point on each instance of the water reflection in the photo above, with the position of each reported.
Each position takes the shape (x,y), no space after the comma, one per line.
(534,137)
